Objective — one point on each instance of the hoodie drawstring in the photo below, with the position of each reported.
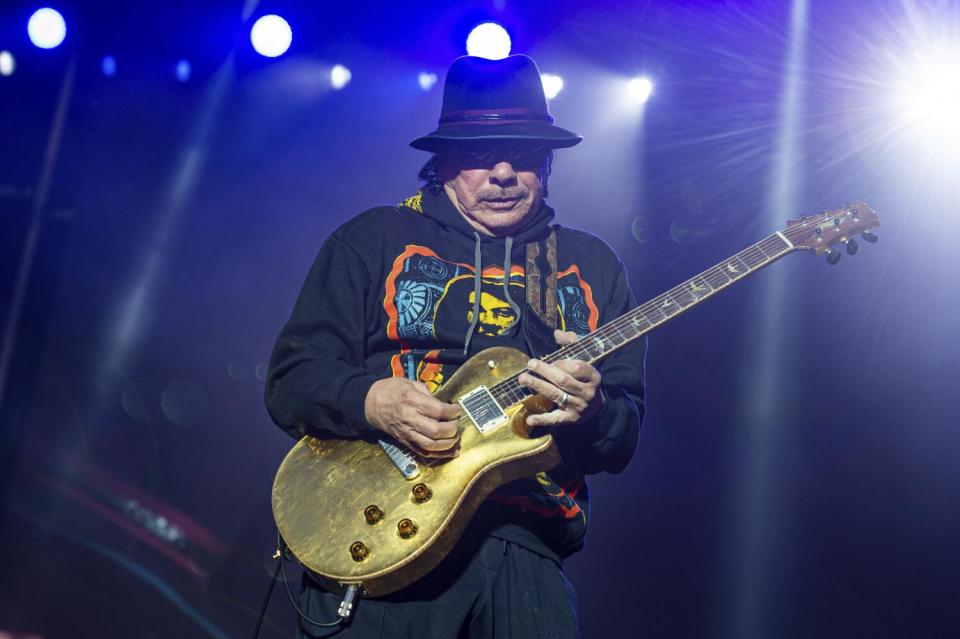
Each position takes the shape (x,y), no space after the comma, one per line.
(507,263)
(506,282)
(476,294)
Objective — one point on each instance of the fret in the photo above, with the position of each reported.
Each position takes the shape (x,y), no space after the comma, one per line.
(778,243)
(638,321)
(735,268)
(617,337)
(753,258)
(716,278)
(698,288)
(761,250)
(653,314)
(683,296)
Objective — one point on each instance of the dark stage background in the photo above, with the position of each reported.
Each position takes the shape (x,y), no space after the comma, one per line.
(797,473)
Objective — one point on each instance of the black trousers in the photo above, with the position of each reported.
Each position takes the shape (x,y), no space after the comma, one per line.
(487,587)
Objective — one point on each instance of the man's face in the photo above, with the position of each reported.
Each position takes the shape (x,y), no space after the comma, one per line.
(496,316)
(494,184)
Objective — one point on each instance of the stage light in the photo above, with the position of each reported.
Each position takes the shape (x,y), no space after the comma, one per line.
(340,76)
(552,85)
(640,89)
(183,70)
(489,40)
(46,28)
(7,63)
(109,66)
(271,36)
(427,80)
(930,98)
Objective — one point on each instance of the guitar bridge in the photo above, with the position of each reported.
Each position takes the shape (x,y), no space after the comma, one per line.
(482,409)
(403,459)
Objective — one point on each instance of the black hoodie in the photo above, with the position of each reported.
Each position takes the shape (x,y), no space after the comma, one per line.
(392,292)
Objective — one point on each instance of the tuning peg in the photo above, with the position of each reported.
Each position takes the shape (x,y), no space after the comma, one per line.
(870,237)
(852,246)
(833,256)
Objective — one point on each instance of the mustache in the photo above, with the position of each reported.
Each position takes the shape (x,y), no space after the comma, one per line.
(512,193)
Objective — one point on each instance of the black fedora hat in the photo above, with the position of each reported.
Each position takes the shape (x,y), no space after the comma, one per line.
(495,100)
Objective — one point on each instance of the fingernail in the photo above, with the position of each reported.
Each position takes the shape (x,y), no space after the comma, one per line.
(532,364)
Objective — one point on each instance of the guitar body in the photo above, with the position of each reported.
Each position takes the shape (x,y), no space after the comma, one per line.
(324,489)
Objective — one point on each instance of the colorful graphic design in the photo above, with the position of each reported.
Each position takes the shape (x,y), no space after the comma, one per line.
(541,495)
(414,202)
(425,293)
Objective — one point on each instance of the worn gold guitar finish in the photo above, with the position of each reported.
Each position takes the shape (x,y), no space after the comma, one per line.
(351,517)
(352,514)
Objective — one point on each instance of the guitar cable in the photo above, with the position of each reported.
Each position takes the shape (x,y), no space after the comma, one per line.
(344,610)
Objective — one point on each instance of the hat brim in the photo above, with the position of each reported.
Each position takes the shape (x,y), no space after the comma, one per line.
(542,132)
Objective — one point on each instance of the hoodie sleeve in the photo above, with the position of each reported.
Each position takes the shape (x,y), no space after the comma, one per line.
(607,442)
(316,381)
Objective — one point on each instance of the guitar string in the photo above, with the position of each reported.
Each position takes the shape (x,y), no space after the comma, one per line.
(507,388)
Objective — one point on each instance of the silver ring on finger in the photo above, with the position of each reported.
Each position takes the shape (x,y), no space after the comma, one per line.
(563,401)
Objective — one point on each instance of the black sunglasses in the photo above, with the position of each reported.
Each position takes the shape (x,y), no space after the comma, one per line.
(486,155)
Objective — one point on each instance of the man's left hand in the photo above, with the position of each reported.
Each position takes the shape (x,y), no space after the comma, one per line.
(572,384)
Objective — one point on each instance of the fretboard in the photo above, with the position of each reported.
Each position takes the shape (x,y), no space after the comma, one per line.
(647,316)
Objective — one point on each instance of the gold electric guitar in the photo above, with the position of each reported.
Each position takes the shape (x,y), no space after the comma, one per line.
(372,514)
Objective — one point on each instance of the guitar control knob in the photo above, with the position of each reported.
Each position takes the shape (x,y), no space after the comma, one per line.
(373,514)
(421,493)
(359,551)
(406,528)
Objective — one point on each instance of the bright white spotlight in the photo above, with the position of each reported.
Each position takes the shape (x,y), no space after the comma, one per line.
(340,76)
(46,28)
(427,80)
(930,100)
(640,89)
(552,85)
(183,70)
(109,66)
(489,40)
(7,63)
(271,36)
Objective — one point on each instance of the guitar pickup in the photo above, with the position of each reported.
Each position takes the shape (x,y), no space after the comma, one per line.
(482,409)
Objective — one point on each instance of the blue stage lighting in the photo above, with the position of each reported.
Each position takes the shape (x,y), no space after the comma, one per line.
(340,76)
(489,40)
(271,36)
(46,28)
(109,66)
(183,70)
(640,89)
(427,80)
(7,63)
(552,85)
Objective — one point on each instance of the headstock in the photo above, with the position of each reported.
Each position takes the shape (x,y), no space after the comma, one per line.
(820,233)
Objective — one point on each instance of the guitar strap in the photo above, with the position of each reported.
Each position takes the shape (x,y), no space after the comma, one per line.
(543,301)
(541,308)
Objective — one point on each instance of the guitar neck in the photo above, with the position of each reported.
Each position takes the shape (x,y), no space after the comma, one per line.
(649,315)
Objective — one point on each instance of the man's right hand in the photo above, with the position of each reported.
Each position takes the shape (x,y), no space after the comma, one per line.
(406,411)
